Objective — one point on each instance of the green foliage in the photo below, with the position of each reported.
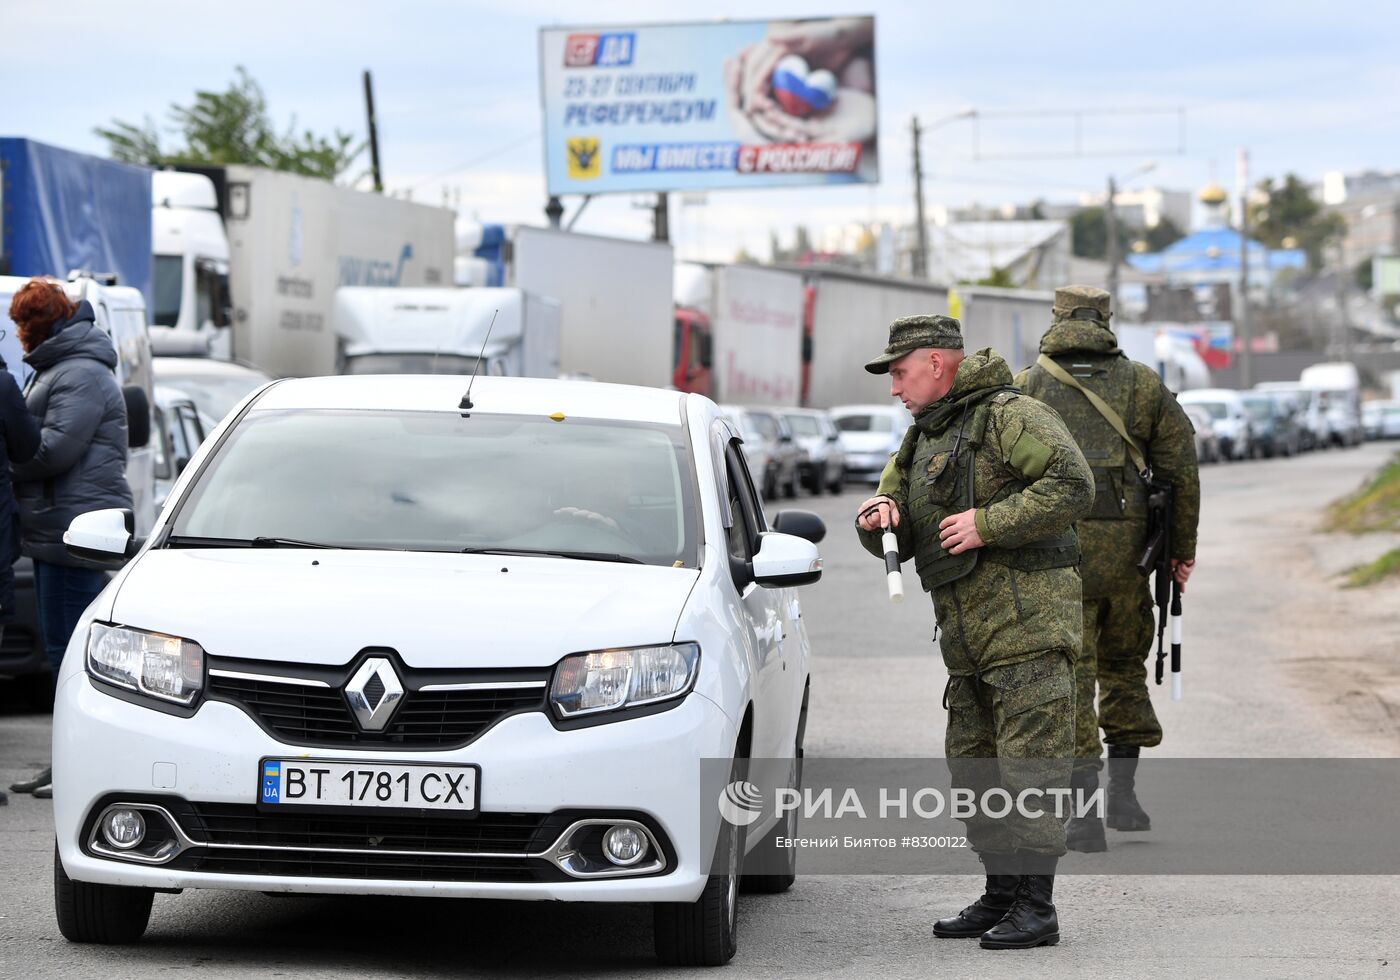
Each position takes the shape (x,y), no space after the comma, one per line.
(1000,277)
(1089,234)
(1364,274)
(1162,234)
(232,127)
(1292,212)
(1370,573)
(1373,507)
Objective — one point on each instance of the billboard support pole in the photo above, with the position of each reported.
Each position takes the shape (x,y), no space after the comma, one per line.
(920,229)
(661,218)
(554,210)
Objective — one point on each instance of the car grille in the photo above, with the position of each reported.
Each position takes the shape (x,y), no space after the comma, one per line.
(317,715)
(335,845)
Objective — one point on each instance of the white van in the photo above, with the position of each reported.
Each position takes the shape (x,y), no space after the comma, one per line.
(1340,385)
(1228,416)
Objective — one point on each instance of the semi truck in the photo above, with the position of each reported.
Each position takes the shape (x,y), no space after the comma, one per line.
(265,292)
(500,331)
(614,295)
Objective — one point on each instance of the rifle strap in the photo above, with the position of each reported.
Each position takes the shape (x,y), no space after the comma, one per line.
(1101,406)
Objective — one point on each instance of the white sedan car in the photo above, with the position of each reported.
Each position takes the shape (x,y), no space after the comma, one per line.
(379,642)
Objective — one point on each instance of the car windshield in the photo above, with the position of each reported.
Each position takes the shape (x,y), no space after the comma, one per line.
(864,423)
(1215,410)
(214,396)
(805,425)
(433,481)
(167,287)
(1259,409)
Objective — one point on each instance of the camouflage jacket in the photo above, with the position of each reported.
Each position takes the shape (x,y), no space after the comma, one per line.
(1030,483)
(1153,417)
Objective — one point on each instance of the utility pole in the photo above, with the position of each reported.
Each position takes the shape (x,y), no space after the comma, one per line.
(373,136)
(1246,334)
(921,229)
(1344,318)
(1110,212)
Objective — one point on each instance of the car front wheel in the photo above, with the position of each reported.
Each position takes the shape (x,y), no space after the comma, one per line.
(92,913)
(705,932)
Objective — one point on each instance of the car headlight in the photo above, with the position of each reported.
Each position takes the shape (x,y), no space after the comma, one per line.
(614,680)
(164,667)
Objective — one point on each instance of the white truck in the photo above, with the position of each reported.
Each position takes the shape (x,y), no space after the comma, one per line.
(383,330)
(288,243)
(614,294)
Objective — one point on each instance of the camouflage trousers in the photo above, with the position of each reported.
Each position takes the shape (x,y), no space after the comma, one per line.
(1012,727)
(1118,633)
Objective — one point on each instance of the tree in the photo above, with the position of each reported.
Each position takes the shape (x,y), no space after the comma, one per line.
(1089,234)
(1162,234)
(1000,277)
(232,127)
(1290,211)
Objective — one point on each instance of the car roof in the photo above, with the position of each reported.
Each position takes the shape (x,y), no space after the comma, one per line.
(206,367)
(490,395)
(866,410)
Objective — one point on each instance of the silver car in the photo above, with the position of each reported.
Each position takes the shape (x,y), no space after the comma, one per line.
(769,449)
(825,466)
(868,435)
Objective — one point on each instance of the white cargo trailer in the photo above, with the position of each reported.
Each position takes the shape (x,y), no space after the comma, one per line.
(292,241)
(614,294)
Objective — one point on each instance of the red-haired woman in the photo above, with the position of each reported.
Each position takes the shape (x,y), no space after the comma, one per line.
(80,464)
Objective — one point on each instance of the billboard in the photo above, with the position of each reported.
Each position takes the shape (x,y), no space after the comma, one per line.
(744,104)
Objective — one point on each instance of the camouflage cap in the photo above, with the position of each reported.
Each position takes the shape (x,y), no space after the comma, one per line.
(1090,300)
(911,333)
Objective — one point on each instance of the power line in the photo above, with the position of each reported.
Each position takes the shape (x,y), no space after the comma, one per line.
(482,158)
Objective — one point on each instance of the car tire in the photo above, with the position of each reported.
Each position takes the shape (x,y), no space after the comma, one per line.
(37,691)
(790,488)
(705,932)
(837,485)
(770,486)
(772,881)
(107,914)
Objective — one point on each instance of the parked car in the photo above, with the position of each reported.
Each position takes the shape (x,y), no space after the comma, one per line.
(179,431)
(825,465)
(1207,442)
(868,435)
(1381,419)
(1229,417)
(215,386)
(1314,431)
(1275,431)
(768,438)
(468,628)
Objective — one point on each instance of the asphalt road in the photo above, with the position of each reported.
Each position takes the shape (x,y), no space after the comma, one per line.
(1283,663)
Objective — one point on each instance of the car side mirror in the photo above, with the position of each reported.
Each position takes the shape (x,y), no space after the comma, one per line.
(103,536)
(785,560)
(784,437)
(138,416)
(801,523)
(180,463)
(833,438)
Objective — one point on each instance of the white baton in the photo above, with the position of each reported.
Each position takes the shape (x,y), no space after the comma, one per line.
(892,577)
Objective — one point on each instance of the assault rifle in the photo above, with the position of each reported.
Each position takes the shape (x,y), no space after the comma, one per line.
(1156,560)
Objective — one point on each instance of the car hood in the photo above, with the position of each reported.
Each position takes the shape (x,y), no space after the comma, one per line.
(435,610)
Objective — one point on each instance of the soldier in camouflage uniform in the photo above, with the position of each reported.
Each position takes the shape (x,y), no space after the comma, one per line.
(1118,624)
(982,495)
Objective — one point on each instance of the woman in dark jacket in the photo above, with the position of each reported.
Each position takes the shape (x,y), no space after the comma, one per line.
(80,464)
(19,438)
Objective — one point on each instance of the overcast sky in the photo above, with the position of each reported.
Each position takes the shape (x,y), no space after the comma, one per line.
(1306,87)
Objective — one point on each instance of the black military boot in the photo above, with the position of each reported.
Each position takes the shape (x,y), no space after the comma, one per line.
(1084,833)
(1124,812)
(1031,921)
(982,914)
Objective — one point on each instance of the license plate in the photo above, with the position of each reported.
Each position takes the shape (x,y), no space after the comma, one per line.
(316,782)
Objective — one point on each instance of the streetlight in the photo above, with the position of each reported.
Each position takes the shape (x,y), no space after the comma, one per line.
(921,255)
(1111,215)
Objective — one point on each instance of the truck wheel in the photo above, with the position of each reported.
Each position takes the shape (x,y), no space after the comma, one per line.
(91,913)
(705,932)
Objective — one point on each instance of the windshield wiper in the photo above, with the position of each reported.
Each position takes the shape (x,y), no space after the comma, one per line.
(533,553)
(194,541)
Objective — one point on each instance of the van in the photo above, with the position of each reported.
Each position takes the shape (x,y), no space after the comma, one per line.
(1340,385)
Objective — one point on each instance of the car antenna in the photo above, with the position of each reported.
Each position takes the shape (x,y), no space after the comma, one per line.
(466,402)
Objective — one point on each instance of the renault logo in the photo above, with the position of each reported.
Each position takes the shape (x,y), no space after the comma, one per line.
(373,693)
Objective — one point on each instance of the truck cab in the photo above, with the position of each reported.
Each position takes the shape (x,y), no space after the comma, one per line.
(190,287)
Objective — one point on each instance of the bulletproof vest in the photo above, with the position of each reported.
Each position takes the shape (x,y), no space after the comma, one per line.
(944,479)
(1119,492)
